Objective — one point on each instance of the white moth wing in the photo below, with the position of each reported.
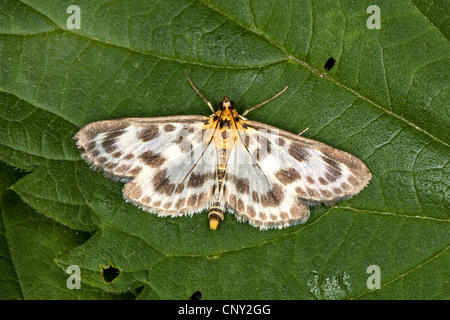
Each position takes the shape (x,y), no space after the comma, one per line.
(272,175)
(169,168)
(253,196)
(313,170)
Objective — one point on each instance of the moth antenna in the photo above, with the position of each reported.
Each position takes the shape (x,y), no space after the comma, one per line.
(199,93)
(263,103)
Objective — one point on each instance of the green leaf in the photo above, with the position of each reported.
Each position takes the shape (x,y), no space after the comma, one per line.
(29,243)
(8,276)
(385,101)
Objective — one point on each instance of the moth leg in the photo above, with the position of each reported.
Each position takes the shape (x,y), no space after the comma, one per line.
(303,132)
(199,93)
(263,103)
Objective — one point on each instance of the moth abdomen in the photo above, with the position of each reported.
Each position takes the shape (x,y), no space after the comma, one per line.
(216,214)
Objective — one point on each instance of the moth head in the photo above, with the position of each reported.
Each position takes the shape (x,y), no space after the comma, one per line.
(226,104)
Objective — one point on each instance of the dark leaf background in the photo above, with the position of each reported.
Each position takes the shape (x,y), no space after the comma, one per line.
(386,100)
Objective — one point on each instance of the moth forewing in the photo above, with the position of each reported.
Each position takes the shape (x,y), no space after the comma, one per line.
(159,156)
(319,172)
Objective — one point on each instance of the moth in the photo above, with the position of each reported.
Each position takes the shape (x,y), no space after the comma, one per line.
(181,165)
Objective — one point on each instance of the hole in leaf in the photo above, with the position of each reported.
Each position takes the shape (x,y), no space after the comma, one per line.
(110,273)
(329,64)
(197,295)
